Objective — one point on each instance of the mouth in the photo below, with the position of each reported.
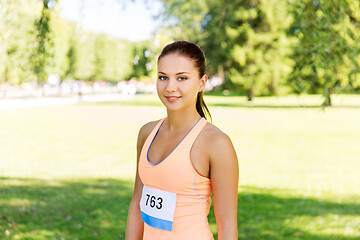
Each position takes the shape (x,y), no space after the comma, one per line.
(172,98)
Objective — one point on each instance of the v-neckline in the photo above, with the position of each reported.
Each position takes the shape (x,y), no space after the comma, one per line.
(147,153)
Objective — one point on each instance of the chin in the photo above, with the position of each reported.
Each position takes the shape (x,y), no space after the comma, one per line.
(170,107)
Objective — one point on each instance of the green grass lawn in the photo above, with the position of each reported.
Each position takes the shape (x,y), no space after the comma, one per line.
(66,172)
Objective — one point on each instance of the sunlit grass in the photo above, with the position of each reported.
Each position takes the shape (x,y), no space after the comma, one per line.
(70,141)
(66,172)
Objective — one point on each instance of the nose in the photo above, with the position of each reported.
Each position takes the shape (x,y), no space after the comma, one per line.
(171,86)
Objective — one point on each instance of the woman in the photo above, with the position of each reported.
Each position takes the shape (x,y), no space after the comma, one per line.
(182,159)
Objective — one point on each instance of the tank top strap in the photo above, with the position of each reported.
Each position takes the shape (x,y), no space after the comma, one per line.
(194,133)
(154,131)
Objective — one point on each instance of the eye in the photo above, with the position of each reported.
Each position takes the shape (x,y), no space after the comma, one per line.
(162,78)
(182,78)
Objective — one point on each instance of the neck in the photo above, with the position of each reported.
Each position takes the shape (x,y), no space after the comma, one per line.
(177,120)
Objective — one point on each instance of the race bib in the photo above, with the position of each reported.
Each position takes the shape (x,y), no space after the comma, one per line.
(158,208)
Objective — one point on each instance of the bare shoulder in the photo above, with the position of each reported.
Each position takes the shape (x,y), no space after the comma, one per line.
(145,131)
(214,137)
(218,144)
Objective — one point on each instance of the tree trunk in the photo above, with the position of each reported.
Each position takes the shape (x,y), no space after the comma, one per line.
(250,94)
(79,90)
(5,82)
(40,88)
(327,101)
(60,90)
(272,88)
(43,90)
(328,97)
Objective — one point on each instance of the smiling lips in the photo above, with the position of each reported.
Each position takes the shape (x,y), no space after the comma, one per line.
(172,98)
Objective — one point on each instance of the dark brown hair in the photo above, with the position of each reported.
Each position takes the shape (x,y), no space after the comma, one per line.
(193,52)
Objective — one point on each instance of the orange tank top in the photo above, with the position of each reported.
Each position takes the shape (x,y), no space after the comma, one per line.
(181,184)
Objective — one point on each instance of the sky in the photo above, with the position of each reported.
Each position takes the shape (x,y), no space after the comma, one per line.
(125,19)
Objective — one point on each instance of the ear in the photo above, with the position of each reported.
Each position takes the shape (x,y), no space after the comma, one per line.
(203,82)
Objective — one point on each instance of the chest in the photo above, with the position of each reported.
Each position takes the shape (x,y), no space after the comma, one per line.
(166,147)
(163,145)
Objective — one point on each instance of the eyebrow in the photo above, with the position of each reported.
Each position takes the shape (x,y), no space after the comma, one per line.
(176,73)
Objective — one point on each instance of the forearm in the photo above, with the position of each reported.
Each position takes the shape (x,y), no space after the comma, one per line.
(227,231)
(134,225)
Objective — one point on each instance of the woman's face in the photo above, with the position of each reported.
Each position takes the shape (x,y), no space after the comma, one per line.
(178,82)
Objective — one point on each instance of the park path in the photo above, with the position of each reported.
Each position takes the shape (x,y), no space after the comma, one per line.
(15,103)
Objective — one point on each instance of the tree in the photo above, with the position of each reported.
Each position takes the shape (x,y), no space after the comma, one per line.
(61,37)
(112,58)
(42,57)
(244,40)
(35,42)
(252,45)
(141,59)
(83,53)
(16,18)
(327,54)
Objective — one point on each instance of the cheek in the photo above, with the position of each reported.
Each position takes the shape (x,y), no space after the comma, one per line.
(160,86)
(193,87)
(190,90)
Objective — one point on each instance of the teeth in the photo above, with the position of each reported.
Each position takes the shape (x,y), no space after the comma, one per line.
(172,98)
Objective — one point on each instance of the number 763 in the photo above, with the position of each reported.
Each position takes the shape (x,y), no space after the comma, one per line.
(153,201)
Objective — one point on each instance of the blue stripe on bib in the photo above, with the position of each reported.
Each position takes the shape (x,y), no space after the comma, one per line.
(156,222)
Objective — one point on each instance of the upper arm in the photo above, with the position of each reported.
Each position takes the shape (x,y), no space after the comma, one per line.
(142,136)
(224,175)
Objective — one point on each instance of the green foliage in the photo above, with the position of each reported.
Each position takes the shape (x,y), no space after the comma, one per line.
(184,18)
(16,39)
(35,41)
(42,56)
(89,56)
(258,45)
(61,34)
(327,54)
(245,41)
(84,54)
(141,60)
(112,59)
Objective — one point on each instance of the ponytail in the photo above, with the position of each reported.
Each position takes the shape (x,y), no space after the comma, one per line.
(201,107)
